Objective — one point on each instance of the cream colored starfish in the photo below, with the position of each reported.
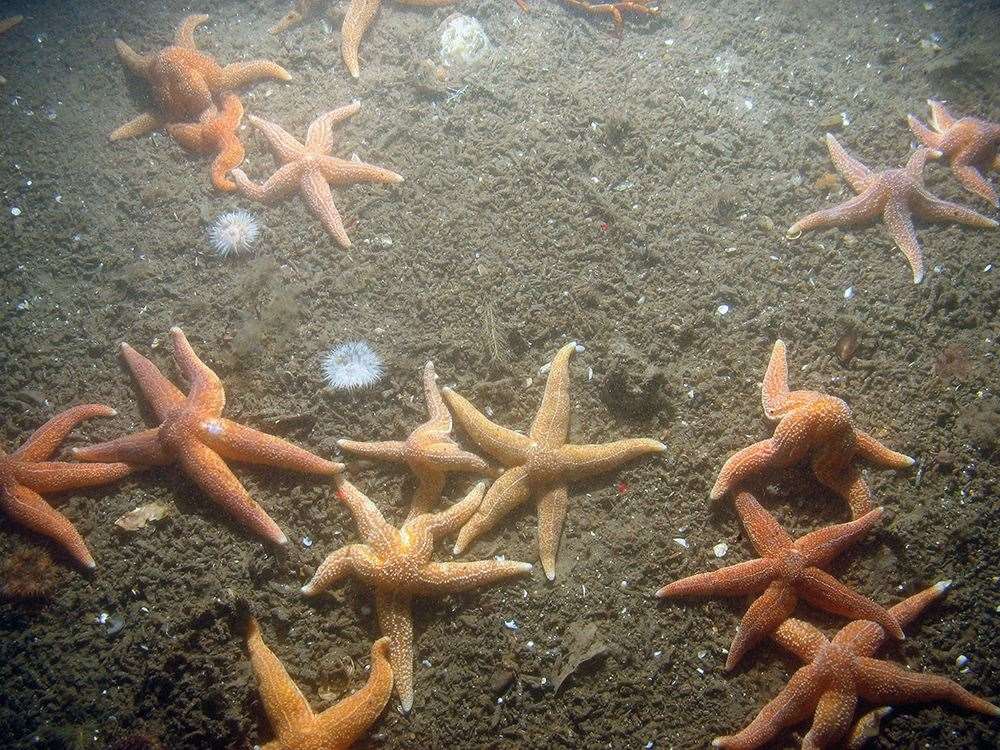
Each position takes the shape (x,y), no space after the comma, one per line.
(429,450)
(310,170)
(397,564)
(540,463)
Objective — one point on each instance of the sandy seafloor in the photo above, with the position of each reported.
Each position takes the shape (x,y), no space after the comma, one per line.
(580,186)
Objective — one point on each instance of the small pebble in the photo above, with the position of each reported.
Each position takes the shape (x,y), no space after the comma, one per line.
(681,542)
(15,211)
(720,549)
(849,292)
(961,661)
(722,309)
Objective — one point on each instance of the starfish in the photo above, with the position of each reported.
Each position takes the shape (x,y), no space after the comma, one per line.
(540,463)
(809,424)
(613,9)
(971,144)
(184,80)
(27,472)
(894,194)
(309,169)
(215,133)
(397,564)
(429,450)
(193,433)
(298,13)
(840,672)
(786,570)
(297,727)
(6,25)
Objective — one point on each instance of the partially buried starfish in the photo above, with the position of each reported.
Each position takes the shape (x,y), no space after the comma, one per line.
(193,433)
(786,570)
(215,133)
(810,425)
(896,195)
(185,81)
(429,450)
(970,144)
(842,671)
(613,9)
(292,719)
(540,463)
(310,170)
(27,472)
(397,564)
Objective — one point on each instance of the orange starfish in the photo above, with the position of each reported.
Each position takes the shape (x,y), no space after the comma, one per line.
(814,425)
(894,194)
(296,15)
(786,570)
(27,472)
(310,170)
(613,9)
(540,463)
(297,727)
(971,144)
(429,451)
(184,80)
(215,133)
(397,564)
(193,433)
(840,672)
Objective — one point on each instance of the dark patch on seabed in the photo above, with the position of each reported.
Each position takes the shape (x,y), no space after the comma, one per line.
(618,191)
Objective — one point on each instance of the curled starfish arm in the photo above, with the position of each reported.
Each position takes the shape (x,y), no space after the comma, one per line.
(319,200)
(588,460)
(278,186)
(284,145)
(162,395)
(141,449)
(507,446)
(59,476)
(139,125)
(766,534)
(27,508)
(237,442)
(552,507)
(441,524)
(189,135)
(832,719)
(871,450)
(930,208)
(238,75)
(924,134)
(857,174)
(341,172)
(319,135)
(139,64)
(616,9)
(550,427)
(44,441)
(371,524)
(825,592)
(284,703)
(733,580)
(349,719)
(882,683)
(763,617)
(973,180)
(456,577)
(385,450)
(358,18)
(941,118)
(205,387)
(229,157)
(185,32)
(821,546)
(506,493)
(396,621)
(861,209)
(335,567)
(845,480)
(799,638)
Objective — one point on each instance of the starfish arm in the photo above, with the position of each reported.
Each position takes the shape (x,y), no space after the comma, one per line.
(899,222)
(319,135)
(865,637)
(762,618)
(358,18)
(763,529)
(162,395)
(59,476)
(237,442)
(226,160)
(185,32)
(845,480)
(856,173)
(286,707)
(733,580)
(139,64)
(205,387)
(438,416)
(821,546)
(139,125)
(344,724)
(44,441)
(426,496)
(996,163)
(883,683)
(913,606)
(190,136)
(552,505)
(825,592)
(799,638)
(278,186)
(287,21)
(211,474)
(371,524)
(774,388)
(929,208)
(9,23)
(507,446)
(792,705)
(922,133)
(445,455)
(506,493)
(871,450)
(142,449)
(27,508)
(238,75)
(456,577)
(585,461)
(284,145)
(319,201)
(784,449)
(396,621)
(866,728)
(341,172)
(393,451)
(916,163)
(973,180)
(832,720)
(861,209)
(441,524)
(336,567)
(551,425)
(941,118)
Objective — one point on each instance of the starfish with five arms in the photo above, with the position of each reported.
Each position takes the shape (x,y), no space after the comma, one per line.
(969,143)
(786,570)
(814,425)
(838,673)
(397,564)
(193,433)
(540,463)
(894,194)
(309,169)
(215,133)
(297,727)
(27,472)
(184,80)
(429,450)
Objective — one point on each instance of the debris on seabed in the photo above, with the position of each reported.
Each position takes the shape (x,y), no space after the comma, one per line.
(137,518)
(720,549)
(682,542)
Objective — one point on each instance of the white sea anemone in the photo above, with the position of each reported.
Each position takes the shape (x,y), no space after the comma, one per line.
(352,366)
(234,233)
